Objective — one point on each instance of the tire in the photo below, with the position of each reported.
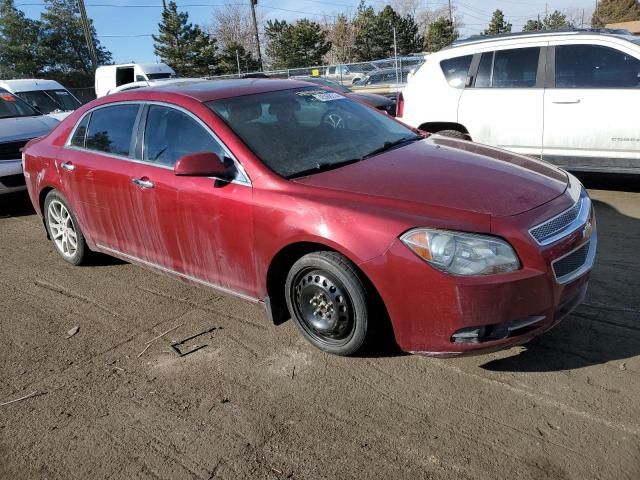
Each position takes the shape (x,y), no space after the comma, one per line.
(63,229)
(453,134)
(328,302)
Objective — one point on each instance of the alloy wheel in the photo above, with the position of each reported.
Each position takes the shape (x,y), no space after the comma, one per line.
(62,228)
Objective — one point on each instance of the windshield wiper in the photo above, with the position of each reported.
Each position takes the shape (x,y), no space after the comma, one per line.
(324,167)
(389,145)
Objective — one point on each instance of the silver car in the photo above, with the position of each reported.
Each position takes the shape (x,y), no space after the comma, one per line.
(19,123)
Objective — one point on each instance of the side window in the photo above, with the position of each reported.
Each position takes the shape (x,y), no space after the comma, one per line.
(485,68)
(80,133)
(171,134)
(593,66)
(332,70)
(456,70)
(110,129)
(517,68)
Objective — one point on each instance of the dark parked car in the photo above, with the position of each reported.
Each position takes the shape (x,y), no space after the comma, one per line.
(380,102)
(247,188)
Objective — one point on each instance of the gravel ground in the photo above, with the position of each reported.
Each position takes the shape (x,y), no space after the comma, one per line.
(256,401)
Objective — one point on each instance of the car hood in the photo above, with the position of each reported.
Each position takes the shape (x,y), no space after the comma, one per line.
(451,173)
(25,128)
(373,99)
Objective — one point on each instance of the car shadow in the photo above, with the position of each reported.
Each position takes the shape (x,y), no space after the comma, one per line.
(605,327)
(16,204)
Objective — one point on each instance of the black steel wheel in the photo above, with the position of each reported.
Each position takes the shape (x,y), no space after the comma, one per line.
(327,300)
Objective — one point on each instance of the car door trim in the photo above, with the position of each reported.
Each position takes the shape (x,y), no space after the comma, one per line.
(169,271)
(245,181)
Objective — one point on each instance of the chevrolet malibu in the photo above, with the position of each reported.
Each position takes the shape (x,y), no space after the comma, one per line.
(321,209)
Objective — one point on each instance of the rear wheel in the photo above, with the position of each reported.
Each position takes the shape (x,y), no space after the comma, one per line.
(328,301)
(63,229)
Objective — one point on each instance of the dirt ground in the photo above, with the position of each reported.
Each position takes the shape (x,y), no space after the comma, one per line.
(258,402)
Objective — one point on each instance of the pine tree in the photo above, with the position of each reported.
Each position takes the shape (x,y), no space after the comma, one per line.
(231,54)
(301,44)
(441,33)
(615,11)
(183,46)
(20,54)
(64,44)
(555,21)
(497,24)
(533,26)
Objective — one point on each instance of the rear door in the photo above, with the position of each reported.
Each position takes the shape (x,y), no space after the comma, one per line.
(503,102)
(198,227)
(592,106)
(96,170)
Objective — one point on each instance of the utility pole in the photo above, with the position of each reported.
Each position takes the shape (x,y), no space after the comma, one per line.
(87,34)
(253,4)
(238,62)
(164,5)
(450,14)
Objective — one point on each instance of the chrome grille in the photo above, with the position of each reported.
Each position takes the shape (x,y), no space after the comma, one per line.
(549,228)
(567,266)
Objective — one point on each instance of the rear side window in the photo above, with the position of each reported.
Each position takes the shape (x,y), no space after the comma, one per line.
(456,70)
(110,129)
(81,132)
(593,66)
(171,134)
(517,68)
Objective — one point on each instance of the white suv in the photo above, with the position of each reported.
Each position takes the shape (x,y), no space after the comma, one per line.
(570,97)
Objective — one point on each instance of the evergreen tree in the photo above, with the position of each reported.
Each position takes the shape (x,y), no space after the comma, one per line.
(20,54)
(441,33)
(498,24)
(374,33)
(533,26)
(64,45)
(555,21)
(184,46)
(301,44)
(228,59)
(615,11)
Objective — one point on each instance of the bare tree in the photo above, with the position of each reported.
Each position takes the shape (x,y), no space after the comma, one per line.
(341,33)
(580,17)
(232,25)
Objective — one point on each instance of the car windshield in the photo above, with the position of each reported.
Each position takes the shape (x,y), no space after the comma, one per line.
(47,101)
(307,130)
(12,107)
(328,83)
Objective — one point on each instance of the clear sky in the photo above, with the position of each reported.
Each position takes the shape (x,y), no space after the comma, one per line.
(125,26)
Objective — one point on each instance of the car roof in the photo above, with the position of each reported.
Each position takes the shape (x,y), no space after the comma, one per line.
(29,84)
(208,90)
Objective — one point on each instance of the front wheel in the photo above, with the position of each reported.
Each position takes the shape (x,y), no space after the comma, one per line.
(63,229)
(328,302)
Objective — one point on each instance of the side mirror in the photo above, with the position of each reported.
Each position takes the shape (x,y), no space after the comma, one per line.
(202,164)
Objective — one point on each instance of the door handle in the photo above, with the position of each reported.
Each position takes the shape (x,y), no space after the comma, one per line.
(566,102)
(68,166)
(143,182)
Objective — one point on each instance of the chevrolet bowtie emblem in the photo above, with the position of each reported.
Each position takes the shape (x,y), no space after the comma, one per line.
(587,230)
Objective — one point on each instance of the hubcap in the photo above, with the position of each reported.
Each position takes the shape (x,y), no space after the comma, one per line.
(323,306)
(62,229)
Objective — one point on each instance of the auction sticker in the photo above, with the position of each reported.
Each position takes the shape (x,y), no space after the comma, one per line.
(321,95)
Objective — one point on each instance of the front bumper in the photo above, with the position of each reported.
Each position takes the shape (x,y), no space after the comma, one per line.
(11,176)
(443,315)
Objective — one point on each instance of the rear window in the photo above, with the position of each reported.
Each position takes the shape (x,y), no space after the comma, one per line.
(515,68)
(110,129)
(12,107)
(456,70)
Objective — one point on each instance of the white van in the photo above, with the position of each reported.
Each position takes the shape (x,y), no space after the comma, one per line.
(109,77)
(46,96)
(569,97)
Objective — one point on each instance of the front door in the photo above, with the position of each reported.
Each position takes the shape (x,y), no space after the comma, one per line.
(591,110)
(198,227)
(503,105)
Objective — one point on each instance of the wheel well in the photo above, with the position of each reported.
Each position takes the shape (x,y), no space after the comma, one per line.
(43,195)
(434,127)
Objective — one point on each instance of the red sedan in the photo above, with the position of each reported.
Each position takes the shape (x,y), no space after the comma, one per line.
(322,209)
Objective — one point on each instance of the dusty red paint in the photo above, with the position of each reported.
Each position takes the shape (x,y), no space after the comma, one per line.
(227,234)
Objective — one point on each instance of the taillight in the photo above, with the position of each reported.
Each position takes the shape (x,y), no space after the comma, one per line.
(400,105)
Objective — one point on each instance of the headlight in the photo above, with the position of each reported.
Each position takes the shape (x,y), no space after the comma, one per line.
(461,253)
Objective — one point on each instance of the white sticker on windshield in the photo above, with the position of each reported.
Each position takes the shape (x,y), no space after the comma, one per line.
(328,96)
